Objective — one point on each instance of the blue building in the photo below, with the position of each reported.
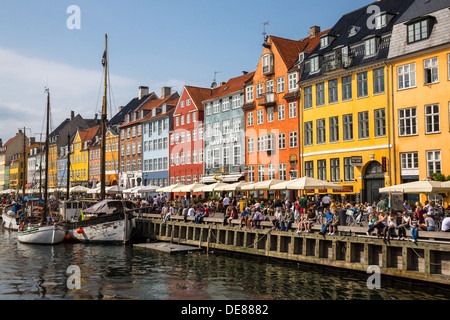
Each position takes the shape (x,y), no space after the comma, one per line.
(155,140)
(225,136)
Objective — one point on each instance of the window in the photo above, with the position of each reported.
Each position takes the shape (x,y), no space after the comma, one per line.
(433,162)
(314,64)
(216,158)
(251,173)
(250,145)
(349,170)
(362,85)
(347,124)
(309,169)
(293,139)
(236,102)
(380,122)
(418,31)
(208,111)
(267,63)
(250,118)
(334,129)
(261,173)
(259,90)
(269,91)
(260,116)
(347,88)
(270,172)
(333,91)
(408,122)
(431,70)
(308,98)
(324,42)
(216,108)
(321,132)
(266,142)
(226,156)
(281,113)
(308,133)
(280,85)
(270,112)
(292,110)
(432,123)
(409,161)
(370,47)
(225,105)
(282,141)
(320,94)
(292,81)
(406,76)
(378,81)
(282,171)
(226,127)
(335,170)
(236,125)
(216,130)
(322,170)
(249,92)
(381,20)
(363,125)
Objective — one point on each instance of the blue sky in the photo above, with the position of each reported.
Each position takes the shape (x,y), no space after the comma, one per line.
(152,43)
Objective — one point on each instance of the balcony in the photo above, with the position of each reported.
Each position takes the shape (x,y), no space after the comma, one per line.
(335,62)
(267,99)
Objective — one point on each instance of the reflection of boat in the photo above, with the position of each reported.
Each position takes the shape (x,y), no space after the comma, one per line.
(106,221)
(41,229)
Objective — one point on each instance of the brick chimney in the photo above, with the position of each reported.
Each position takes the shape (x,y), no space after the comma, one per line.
(314,31)
(165,92)
(143,91)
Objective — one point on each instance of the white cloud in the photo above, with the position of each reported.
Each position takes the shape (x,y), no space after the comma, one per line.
(23,100)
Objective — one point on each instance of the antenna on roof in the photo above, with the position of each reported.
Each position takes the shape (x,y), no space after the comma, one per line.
(214,84)
(264,30)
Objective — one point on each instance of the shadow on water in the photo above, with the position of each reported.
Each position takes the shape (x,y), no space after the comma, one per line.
(111,272)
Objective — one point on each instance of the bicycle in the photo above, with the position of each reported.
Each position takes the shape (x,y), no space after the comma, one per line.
(359,220)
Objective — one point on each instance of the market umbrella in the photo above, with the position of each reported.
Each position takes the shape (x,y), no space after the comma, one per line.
(189,188)
(232,187)
(94,191)
(263,185)
(78,189)
(305,183)
(114,190)
(169,188)
(147,189)
(425,186)
(210,188)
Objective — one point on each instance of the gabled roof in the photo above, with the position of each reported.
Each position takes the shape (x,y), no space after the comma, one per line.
(421,7)
(232,86)
(89,134)
(130,107)
(198,95)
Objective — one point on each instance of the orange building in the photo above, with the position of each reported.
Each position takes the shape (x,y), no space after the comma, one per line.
(271,110)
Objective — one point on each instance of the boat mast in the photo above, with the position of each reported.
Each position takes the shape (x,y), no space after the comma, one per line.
(45,212)
(24,178)
(103,124)
(68,166)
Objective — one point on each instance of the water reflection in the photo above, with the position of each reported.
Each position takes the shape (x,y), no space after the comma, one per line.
(124,273)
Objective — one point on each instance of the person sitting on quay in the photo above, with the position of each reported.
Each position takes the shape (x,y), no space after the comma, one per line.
(256,219)
(404,225)
(429,223)
(301,222)
(277,219)
(201,215)
(373,218)
(233,215)
(288,220)
(381,223)
(334,224)
(445,226)
(391,225)
(243,218)
(328,221)
(309,221)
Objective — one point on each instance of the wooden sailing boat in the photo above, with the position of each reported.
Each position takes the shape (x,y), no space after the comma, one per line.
(106,221)
(40,230)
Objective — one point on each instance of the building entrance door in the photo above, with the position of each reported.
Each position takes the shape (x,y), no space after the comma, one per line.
(373,181)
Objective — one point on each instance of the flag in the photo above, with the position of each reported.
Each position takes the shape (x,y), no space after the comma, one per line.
(104,59)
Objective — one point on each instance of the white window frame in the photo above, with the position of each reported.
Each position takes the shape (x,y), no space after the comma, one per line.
(406,73)
(434,162)
(432,66)
(432,119)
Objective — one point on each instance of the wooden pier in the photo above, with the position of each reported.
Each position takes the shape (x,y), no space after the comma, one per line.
(427,260)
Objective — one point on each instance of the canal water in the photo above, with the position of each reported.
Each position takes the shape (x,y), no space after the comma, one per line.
(30,272)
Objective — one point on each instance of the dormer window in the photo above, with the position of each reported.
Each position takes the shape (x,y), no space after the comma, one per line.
(381,20)
(371,46)
(324,42)
(267,63)
(418,30)
(353,31)
(314,64)
(301,57)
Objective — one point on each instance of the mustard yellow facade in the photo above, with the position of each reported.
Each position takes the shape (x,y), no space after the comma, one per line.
(79,162)
(52,166)
(345,132)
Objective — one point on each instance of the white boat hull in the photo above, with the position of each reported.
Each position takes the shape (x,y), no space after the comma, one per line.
(9,222)
(113,231)
(46,235)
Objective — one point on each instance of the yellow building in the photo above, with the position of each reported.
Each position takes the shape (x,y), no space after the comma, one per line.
(345,109)
(112,159)
(420,57)
(79,159)
(17,172)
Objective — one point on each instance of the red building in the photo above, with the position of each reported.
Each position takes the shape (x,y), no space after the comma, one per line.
(186,138)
